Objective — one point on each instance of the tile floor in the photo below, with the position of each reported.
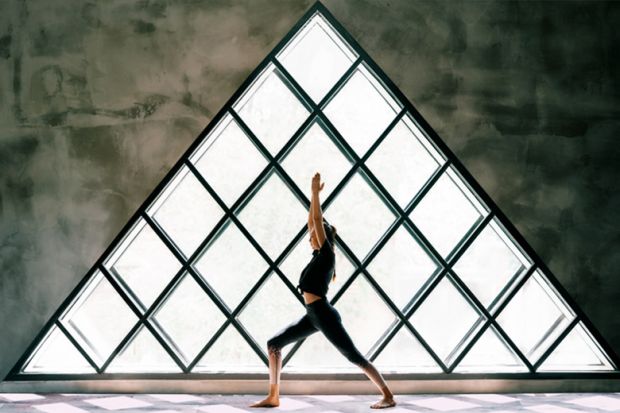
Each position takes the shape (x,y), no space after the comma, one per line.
(217,403)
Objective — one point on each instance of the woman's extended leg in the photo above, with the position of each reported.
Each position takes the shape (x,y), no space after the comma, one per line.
(330,323)
(293,332)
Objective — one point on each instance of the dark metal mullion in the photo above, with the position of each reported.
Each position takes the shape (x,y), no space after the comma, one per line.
(77,345)
(516,287)
(402,319)
(555,343)
(426,187)
(513,279)
(143,318)
(472,297)
(119,347)
(218,333)
(470,344)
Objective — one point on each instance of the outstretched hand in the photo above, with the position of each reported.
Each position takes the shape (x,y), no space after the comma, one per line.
(317,185)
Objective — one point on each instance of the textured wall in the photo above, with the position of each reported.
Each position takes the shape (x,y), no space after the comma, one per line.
(99,99)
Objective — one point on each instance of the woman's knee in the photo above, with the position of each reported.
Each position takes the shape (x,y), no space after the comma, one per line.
(274,345)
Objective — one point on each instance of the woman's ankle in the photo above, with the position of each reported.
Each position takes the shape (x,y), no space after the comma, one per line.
(274,391)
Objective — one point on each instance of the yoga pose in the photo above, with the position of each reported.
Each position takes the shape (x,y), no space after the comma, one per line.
(320,314)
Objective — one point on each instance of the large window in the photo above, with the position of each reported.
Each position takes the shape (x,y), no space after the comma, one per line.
(429,277)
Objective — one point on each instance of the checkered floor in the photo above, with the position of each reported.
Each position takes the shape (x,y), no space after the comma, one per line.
(169,403)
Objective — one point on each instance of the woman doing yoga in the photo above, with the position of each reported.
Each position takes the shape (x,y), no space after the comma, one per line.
(320,314)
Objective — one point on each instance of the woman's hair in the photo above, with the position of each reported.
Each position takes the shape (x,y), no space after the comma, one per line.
(330,233)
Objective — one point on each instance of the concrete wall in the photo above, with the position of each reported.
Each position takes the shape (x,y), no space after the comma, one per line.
(99,99)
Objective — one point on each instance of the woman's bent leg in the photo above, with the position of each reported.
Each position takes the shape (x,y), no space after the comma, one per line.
(293,332)
(330,323)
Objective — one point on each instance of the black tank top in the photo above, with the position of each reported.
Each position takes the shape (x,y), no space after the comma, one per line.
(315,277)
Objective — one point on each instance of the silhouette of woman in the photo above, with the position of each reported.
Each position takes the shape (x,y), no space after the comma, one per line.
(320,314)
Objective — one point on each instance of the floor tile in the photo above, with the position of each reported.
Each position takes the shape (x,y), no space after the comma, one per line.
(58,408)
(332,398)
(117,403)
(492,398)
(177,398)
(18,397)
(550,408)
(223,408)
(443,404)
(606,403)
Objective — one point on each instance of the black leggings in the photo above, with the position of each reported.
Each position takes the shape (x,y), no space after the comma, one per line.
(320,315)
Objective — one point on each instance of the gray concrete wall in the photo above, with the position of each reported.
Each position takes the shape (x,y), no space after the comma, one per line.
(99,99)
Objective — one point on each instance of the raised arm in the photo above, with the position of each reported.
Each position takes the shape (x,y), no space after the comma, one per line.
(315,209)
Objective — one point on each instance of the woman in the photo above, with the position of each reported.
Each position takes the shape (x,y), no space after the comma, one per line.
(320,314)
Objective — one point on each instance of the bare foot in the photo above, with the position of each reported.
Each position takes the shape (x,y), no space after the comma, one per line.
(267,402)
(383,403)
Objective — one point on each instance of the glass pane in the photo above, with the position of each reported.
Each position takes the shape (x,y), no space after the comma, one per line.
(490,262)
(445,320)
(144,263)
(362,110)
(57,354)
(402,267)
(316,152)
(490,355)
(186,211)
(143,354)
(301,255)
(447,212)
(189,317)
(317,57)
(577,352)
(273,216)
(404,161)
(99,318)
(219,266)
(227,152)
(535,316)
(271,110)
(272,308)
(364,314)
(360,217)
(230,354)
(318,355)
(405,354)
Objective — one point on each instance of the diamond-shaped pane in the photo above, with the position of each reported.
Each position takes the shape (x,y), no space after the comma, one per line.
(404,353)
(577,352)
(490,262)
(219,265)
(231,353)
(186,211)
(301,255)
(359,215)
(362,110)
(317,57)
(58,355)
(445,320)
(447,212)
(402,267)
(364,314)
(274,299)
(271,110)
(99,318)
(535,316)
(316,152)
(144,263)
(189,317)
(490,354)
(143,354)
(404,161)
(227,152)
(273,216)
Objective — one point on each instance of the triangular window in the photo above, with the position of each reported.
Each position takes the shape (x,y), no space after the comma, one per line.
(431,276)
